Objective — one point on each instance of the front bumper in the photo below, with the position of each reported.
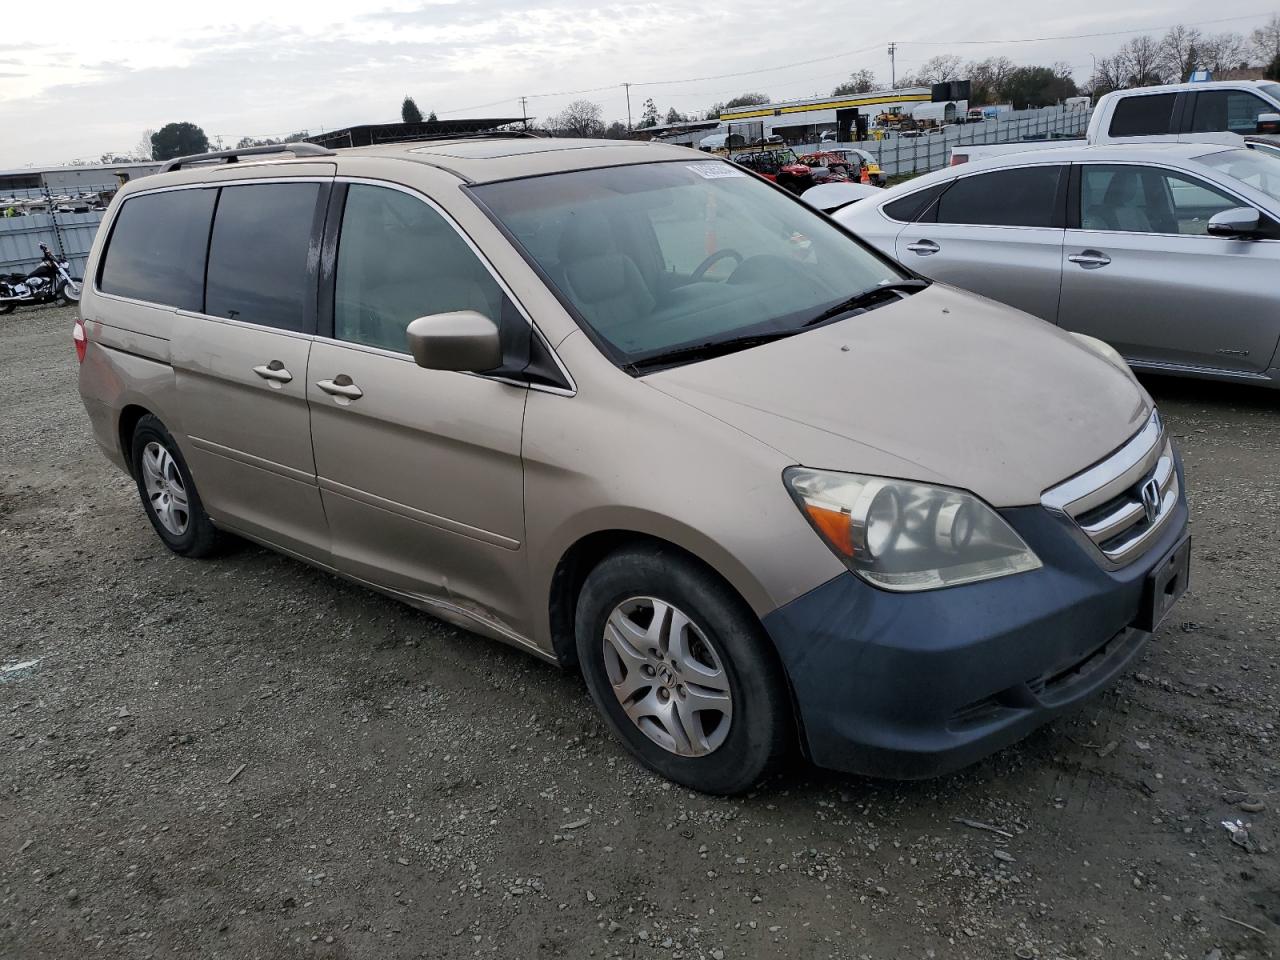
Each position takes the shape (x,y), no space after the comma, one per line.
(915,685)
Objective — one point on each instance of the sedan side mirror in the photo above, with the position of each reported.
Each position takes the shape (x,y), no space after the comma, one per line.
(1268,123)
(462,340)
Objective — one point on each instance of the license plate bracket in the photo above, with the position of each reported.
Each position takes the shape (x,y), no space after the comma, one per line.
(1164,585)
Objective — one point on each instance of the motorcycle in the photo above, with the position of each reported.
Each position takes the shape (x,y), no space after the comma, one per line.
(49,282)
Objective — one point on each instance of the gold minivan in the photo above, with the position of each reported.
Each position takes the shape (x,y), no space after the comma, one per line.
(643,414)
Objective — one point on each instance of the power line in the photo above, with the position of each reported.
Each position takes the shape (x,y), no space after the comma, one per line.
(1086,36)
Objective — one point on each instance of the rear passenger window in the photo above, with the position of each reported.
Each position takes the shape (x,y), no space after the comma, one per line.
(910,209)
(157,247)
(1025,197)
(1144,116)
(398,259)
(258,255)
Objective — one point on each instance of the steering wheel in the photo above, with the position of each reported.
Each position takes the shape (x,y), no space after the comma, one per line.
(712,260)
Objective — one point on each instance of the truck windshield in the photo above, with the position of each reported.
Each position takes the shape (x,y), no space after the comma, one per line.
(657,257)
(1258,169)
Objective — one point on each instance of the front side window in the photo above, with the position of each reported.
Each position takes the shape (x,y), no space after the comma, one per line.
(1143,116)
(1147,200)
(1023,197)
(258,255)
(157,248)
(398,259)
(662,256)
(1233,110)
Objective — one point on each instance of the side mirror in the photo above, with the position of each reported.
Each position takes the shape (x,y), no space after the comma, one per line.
(463,340)
(1268,123)
(1236,222)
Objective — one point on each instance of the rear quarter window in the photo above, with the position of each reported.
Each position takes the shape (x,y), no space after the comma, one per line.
(1143,116)
(156,251)
(915,206)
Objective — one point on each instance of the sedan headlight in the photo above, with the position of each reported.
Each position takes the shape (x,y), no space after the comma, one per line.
(908,536)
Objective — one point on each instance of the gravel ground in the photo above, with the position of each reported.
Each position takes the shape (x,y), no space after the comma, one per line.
(248,758)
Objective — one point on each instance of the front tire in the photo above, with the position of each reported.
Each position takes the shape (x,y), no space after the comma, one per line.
(69,293)
(682,671)
(168,493)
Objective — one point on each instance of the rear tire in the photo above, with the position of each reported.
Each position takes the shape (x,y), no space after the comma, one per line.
(168,493)
(7,308)
(700,698)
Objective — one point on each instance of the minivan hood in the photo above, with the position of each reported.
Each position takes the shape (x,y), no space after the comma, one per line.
(943,387)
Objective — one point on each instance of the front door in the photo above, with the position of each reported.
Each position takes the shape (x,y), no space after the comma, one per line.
(419,470)
(1142,274)
(241,366)
(998,234)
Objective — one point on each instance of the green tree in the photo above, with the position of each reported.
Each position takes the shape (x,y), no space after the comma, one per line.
(1038,87)
(431,117)
(675,116)
(409,111)
(178,140)
(648,116)
(1273,69)
(860,81)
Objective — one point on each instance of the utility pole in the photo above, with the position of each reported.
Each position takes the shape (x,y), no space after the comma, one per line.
(893,72)
(628,89)
(524,112)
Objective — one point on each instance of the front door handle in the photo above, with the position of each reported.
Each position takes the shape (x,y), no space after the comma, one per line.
(1090,259)
(273,372)
(923,247)
(341,387)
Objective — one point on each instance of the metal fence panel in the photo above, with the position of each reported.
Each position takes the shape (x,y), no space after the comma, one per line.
(69,233)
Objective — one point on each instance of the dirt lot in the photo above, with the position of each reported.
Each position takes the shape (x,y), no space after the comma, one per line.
(248,758)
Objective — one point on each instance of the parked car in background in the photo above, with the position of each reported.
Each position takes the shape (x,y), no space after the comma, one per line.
(1168,252)
(1217,112)
(641,415)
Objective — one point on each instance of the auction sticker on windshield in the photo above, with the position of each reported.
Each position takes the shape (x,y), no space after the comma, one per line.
(715,171)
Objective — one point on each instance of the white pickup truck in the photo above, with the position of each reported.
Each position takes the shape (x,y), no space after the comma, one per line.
(1182,112)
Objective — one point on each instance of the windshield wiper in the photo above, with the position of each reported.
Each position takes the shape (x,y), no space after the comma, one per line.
(874,297)
(710,349)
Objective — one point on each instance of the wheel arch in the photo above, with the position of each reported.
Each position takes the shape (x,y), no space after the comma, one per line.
(130,414)
(585,553)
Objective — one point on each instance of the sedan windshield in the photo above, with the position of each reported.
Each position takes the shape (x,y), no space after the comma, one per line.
(683,258)
(1258,169)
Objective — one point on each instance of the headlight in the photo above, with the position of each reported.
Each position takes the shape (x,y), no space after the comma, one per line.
(908,536)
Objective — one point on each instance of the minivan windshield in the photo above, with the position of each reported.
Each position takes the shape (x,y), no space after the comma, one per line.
(1254,167)
(684,260)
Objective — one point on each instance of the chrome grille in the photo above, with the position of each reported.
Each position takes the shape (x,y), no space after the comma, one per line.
(1120,503)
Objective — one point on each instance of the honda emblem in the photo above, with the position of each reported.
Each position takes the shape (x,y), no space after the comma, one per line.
(1150,493)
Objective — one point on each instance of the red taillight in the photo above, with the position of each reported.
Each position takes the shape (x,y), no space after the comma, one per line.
(959,158)
(79,339)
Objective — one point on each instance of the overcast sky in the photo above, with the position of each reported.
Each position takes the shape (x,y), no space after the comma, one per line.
(92,78)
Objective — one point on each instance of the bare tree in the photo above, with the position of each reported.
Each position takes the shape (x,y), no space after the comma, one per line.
(579,119)
(860,81)
(945,66)
(1266,40)
(1224,51)
(143,150)
(989,77)
(1143,62)
(1180,51)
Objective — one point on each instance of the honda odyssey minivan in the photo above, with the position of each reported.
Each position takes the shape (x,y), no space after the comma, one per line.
(642,414)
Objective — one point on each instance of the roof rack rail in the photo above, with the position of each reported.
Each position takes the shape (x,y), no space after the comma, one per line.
(233,156)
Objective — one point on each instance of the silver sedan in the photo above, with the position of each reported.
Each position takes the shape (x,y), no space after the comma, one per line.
(1169,252)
